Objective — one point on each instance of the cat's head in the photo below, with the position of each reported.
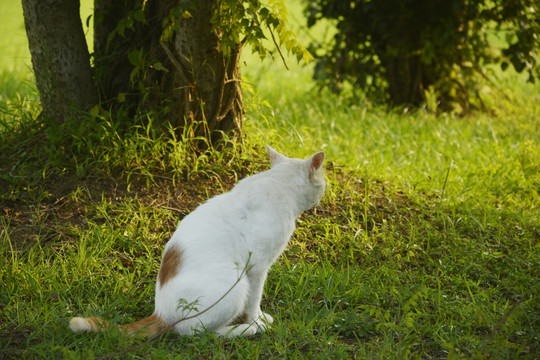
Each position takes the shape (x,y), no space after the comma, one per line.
(307,175)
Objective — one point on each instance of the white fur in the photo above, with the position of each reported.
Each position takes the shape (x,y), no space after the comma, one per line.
(247,228)
(78,324)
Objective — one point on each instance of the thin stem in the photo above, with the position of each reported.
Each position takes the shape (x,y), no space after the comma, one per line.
(278,48)
(446,179)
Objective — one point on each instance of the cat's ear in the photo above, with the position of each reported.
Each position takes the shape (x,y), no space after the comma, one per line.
(275,157)
(315,162)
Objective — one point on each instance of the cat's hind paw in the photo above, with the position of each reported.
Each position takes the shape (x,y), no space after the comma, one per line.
(263,322)
(244,330)
(267,318)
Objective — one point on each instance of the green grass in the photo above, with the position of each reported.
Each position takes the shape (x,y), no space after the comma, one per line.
(426,244)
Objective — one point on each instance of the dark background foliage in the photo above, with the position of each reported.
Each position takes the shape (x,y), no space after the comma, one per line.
(397,50)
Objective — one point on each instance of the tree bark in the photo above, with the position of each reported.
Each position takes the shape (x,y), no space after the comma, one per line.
(60,57)
(111,63)
(209,79)
(201,89)
(196,89)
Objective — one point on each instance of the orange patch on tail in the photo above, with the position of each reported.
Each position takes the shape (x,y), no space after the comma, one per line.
(150,326)
(172,259)
(147,327)
(97,324)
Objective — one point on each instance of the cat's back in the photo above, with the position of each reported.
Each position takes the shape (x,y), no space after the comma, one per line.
(250,197)
(251,203)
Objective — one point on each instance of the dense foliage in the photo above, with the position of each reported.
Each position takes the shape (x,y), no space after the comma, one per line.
(410,52)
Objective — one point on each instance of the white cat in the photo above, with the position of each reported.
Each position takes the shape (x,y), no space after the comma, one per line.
(215,265)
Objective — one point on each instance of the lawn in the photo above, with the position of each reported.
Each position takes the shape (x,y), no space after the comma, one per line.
(425,245)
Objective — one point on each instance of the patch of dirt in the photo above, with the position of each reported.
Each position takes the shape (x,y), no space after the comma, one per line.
(69,198)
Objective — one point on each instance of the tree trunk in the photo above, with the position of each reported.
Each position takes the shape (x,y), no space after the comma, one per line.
(186,79)
(208,81)
(111,64)
(60,57)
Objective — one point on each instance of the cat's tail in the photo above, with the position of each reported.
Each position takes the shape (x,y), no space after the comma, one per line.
(147,327)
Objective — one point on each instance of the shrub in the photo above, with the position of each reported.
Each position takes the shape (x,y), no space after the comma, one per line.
(406,51)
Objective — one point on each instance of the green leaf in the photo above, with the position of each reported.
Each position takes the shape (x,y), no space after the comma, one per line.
(264,13)
(134,57)
(139,15)
(159,66)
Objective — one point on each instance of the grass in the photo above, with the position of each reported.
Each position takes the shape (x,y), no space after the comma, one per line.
(424,246)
